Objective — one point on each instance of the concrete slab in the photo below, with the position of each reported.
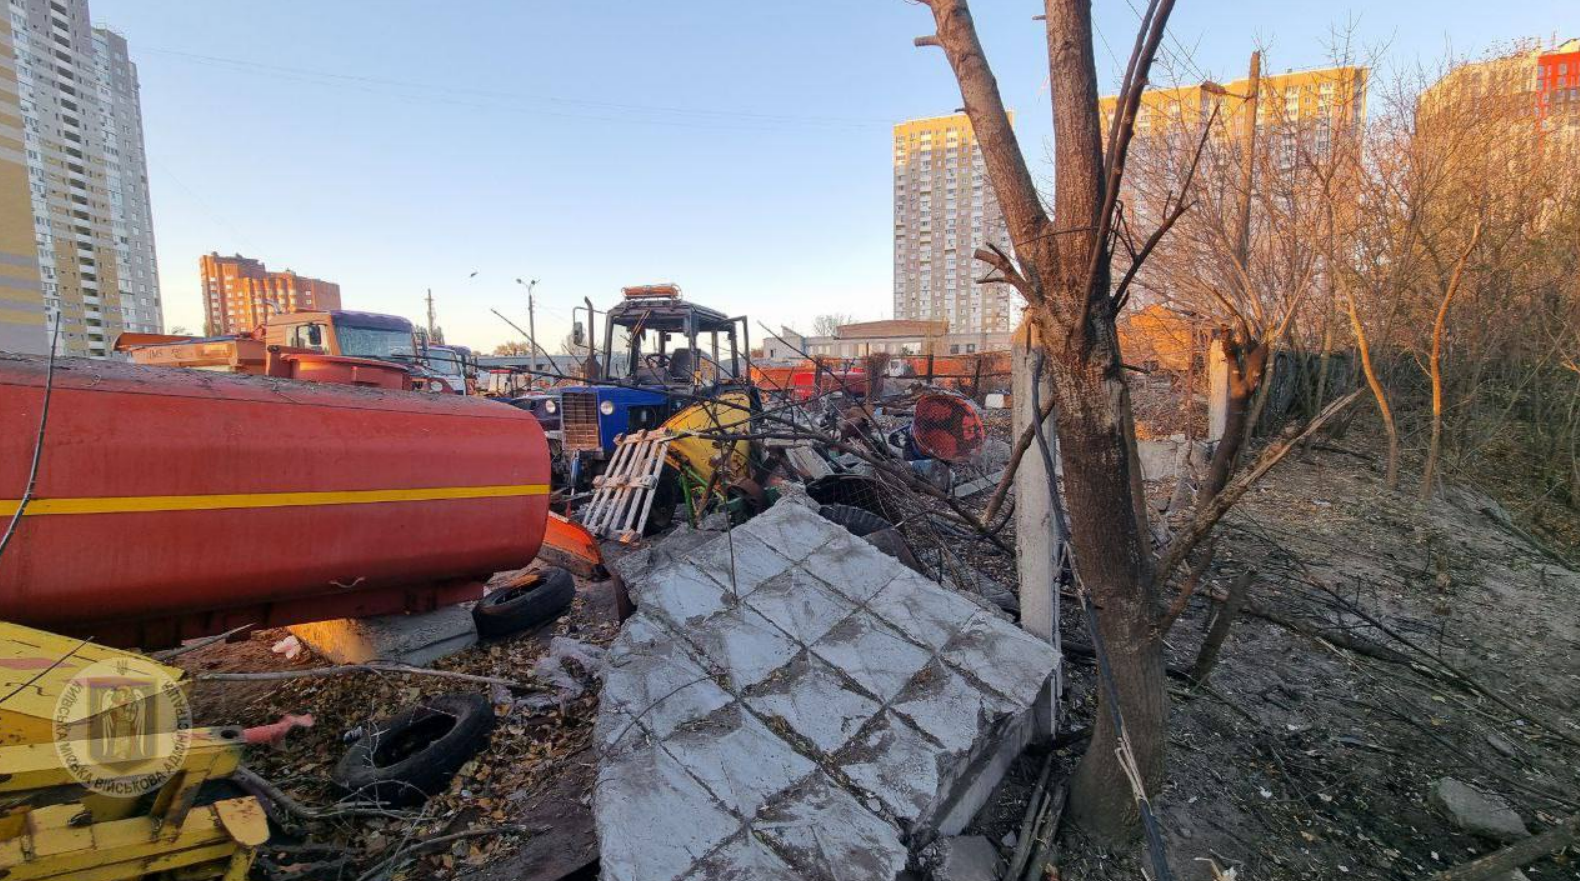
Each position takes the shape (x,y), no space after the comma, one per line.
(744,858)
(827,834)
(834,706)
(845,564)
(800,604)
(894,763)
(740,561)
(913,605)
(418,639)
(871,654)
(744,645)
(738,759)
(661,685)
(681,595)
(966,858)
(655,821)
(813,702)
(1007,659)
(947,708)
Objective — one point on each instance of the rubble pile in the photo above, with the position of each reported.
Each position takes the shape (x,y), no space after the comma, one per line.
(789,702)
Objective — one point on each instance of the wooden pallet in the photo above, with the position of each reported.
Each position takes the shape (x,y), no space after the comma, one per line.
(623,494)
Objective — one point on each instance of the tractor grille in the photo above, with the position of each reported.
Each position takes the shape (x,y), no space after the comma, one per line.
(579,420)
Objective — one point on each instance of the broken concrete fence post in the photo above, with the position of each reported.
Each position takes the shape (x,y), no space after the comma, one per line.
(1217,391)
(1037,534)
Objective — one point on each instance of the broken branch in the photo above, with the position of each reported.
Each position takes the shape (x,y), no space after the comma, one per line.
(1520,853)
(1206,519)
(370,667)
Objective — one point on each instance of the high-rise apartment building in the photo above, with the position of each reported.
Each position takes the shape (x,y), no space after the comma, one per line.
(1558,85)
(944,210)
(1315,102)
(76,231)
(1529,84)
(240,293)
(1298,114)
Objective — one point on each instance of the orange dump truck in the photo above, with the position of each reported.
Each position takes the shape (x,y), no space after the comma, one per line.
(355,348)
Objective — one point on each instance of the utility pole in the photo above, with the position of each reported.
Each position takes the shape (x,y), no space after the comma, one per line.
(532,328)
(431,319)
(1242,245)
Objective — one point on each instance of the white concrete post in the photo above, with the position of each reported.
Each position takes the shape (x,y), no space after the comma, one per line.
(1217,391)
(1037,534)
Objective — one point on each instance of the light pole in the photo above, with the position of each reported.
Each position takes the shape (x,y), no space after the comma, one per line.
(532,328)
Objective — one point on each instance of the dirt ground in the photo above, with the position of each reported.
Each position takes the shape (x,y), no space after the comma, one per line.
(1307,761)
(1301,760)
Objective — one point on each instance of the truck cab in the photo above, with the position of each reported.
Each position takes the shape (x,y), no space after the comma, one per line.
(340,332)
(660,355)
(455,364)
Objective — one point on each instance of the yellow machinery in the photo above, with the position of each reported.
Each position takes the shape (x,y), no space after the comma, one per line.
(699,457)
(97,779)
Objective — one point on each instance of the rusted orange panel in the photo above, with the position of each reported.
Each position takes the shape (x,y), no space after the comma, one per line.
(572,546)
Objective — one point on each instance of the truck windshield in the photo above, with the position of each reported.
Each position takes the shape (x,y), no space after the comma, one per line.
(446,362)
(381,343)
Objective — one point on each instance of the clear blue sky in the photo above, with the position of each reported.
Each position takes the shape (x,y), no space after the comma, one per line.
(737,147)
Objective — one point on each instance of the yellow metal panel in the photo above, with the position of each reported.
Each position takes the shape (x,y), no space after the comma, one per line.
(38,765)
(728,411)
(52,831)
(122,850)
(34,667)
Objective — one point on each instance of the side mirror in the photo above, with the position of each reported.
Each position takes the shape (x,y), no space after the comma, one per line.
(578,335)
(315,335)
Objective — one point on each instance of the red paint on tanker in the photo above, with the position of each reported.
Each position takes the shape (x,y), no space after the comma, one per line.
(128,434)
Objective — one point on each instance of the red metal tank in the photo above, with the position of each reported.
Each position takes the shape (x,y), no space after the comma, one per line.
(171,503)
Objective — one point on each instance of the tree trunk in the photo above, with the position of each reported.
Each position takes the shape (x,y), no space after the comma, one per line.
(1114,563)
(1061,266)
(1391,476)
(1435,367)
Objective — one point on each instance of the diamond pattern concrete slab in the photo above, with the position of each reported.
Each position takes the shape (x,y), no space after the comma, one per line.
(812,724)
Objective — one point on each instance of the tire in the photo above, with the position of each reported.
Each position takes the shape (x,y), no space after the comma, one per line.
(877,531)
(536,598)
(857,521)
(666,495)
(403,760)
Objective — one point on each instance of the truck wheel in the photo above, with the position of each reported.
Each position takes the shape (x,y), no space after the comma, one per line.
(403,760)
(666,495)
(536,598)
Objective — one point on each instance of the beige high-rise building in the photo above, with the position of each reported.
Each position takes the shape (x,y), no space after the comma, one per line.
(76,232)
(944,210)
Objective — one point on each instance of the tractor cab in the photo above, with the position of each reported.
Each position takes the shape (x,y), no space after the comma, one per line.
(655,339)
(660,355)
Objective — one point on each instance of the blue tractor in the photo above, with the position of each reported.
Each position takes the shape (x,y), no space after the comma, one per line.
(653,365)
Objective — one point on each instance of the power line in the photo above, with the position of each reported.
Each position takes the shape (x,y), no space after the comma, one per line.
(426,91)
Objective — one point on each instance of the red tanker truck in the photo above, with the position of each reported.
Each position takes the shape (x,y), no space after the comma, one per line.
(172,503)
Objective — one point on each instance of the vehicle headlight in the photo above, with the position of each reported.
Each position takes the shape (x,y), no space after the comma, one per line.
(550,407)
(606,408)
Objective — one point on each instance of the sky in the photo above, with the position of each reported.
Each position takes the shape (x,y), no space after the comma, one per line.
(740,148)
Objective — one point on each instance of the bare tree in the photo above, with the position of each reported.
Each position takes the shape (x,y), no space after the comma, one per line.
(1062,268)
(829,324)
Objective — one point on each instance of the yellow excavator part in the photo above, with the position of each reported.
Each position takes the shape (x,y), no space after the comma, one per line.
(36,666)
(697,456)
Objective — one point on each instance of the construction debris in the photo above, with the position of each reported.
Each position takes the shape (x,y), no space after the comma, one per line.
(790,702)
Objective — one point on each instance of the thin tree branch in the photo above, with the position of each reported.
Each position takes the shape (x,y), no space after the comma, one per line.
(1201,525)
